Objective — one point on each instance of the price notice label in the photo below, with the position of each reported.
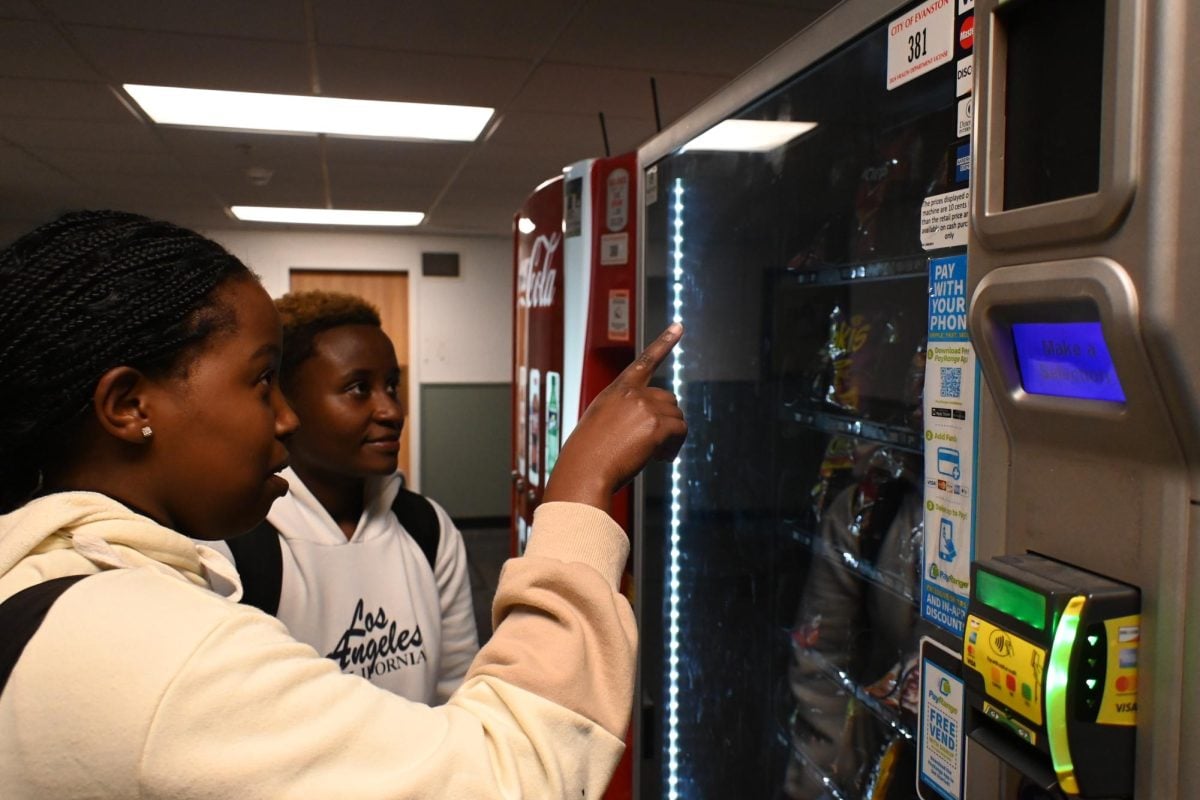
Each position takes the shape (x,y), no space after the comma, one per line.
(919,41)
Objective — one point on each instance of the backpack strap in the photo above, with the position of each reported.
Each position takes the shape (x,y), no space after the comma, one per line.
(21,615)
(420,519)
(258,556)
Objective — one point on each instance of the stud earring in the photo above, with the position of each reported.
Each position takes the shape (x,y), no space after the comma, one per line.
(147,432)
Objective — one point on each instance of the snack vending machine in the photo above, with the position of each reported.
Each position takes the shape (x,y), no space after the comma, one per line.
(1083,246)
(575,264)
(808,226)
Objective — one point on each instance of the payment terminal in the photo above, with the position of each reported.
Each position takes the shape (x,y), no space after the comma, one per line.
(1050,659)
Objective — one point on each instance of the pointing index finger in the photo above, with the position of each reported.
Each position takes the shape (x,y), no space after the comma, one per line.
(639,372)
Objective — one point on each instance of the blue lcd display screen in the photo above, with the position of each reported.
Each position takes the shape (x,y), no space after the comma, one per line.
(1066,359)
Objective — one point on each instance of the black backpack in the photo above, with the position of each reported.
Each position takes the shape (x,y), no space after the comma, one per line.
(260,560)
(22,614)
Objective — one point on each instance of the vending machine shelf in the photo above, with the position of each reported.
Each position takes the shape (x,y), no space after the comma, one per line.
(880,709)
(899,436)
(833,274)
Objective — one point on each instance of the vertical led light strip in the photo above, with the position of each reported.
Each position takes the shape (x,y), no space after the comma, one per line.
(676,492)
(1057,681)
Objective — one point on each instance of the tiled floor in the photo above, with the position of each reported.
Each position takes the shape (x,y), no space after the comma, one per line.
(487,550)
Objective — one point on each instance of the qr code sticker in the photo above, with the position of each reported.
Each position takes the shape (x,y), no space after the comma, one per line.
(951,381)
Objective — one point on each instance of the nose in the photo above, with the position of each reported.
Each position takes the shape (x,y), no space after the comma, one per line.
(286,421)
(389,409)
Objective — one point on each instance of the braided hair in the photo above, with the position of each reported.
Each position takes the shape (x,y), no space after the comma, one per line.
(306,314)
(88,292)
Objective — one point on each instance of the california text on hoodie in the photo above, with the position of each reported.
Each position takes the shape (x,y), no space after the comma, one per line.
(371,602)
(147,680)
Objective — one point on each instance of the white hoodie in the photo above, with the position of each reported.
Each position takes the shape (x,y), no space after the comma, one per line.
(144,681)
(371,602)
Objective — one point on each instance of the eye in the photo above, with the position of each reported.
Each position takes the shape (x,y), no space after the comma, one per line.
(392,389)
(265,381)
(358,389)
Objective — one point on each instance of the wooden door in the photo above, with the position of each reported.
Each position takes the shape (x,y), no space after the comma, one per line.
(387,291)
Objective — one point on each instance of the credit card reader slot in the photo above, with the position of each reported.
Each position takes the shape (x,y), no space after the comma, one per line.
(1050,670)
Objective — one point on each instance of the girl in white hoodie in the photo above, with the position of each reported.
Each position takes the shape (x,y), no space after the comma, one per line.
(333,561)
(139,406)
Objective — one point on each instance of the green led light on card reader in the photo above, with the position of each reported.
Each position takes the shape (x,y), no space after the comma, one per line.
(1011,598)
(1057,676)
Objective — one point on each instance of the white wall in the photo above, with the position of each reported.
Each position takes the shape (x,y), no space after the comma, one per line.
(460,329)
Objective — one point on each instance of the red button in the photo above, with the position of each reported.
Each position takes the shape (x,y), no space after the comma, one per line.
(1010,682)
(1122,684)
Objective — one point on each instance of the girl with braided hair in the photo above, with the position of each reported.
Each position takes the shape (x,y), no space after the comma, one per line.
(139,406)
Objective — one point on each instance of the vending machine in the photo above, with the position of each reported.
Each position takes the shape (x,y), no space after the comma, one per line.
(808,225)
(1082,272)
(931,534)
(575,277)
(575,264)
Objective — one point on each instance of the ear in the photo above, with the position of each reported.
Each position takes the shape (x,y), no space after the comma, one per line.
(122,403)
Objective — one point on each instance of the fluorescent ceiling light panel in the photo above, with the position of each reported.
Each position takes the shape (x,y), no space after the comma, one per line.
(748,135)
(328,216)
(285,113)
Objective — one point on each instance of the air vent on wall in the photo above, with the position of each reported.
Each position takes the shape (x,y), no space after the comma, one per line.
(439,265)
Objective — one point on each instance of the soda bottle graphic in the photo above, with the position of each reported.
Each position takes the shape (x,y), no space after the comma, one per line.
(553,434)
(535,427)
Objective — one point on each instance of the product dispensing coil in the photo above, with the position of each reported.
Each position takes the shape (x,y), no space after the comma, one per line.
(1050,659)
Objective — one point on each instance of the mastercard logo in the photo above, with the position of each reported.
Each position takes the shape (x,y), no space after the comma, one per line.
(966,34)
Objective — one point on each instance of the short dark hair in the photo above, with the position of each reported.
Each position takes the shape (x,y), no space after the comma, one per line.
(88,292)
(306,314)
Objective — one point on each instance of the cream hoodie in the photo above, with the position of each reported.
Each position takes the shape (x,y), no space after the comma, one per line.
(145,681)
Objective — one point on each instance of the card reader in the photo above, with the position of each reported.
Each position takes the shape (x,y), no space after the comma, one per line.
(1050,658)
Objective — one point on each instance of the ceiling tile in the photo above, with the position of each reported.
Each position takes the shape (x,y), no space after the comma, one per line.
(72,100)
(124,164)
(699,36)
(18,9)
(262,19)
(558,139)
(203,62)
(420,78)
(465,27)
(561,87)
(241,150)
(130,135)
(36,50)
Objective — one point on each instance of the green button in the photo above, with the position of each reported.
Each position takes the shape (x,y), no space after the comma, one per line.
(1026,691)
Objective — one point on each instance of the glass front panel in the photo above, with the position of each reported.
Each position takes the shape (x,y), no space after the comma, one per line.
(786,540)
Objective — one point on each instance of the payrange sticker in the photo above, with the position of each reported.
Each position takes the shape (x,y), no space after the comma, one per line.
(919,41)
(951,438)
(941,743)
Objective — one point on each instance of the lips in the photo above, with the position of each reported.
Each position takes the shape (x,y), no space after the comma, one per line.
(277,482)
(386,444)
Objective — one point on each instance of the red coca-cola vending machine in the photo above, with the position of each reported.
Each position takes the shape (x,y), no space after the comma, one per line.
(575,270)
